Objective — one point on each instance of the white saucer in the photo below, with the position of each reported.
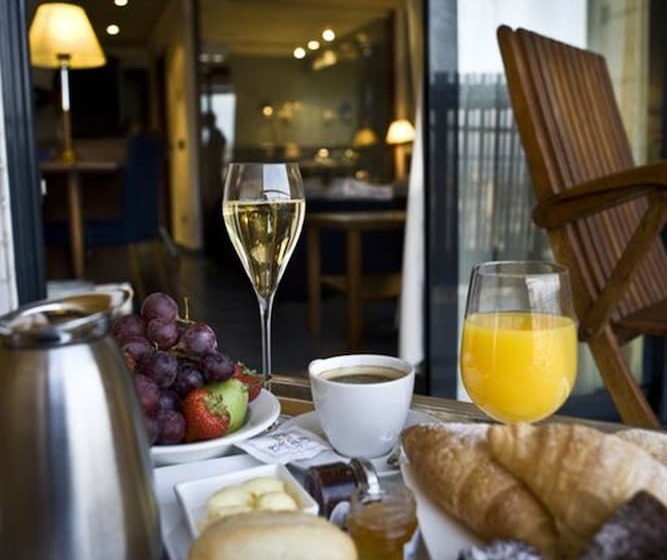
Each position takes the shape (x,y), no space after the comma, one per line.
(310,422)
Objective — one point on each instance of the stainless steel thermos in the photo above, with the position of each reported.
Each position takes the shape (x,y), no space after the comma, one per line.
(75,472)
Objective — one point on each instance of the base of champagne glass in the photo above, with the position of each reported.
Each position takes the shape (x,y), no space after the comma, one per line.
(266,383)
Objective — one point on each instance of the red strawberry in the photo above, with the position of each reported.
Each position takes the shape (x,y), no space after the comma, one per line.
(249,378)
(203,420)
(214,410)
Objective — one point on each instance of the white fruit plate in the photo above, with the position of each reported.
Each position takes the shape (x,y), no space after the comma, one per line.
(262,413)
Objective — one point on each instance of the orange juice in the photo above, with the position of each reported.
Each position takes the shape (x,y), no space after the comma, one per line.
(518,367)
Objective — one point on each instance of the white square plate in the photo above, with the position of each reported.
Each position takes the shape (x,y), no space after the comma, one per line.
(175,533)
(193,495)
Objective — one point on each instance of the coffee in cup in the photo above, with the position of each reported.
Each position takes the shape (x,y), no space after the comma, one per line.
(362,401)
(362,374)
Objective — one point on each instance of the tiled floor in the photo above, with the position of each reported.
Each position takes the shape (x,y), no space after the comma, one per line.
(220,295)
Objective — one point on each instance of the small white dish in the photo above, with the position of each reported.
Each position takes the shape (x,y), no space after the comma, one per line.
(309,421)
(175,533)
(193,495)
(262,413)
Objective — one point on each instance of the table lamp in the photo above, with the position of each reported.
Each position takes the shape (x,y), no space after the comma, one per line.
(61,37)
(400,134)
(364,137)
(400,131)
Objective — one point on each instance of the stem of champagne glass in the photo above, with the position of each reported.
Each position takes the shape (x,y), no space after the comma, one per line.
(265,307)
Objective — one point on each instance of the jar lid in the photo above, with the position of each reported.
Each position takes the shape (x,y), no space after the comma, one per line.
(365,472)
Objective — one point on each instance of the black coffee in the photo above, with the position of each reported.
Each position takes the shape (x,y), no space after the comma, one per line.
(362,374)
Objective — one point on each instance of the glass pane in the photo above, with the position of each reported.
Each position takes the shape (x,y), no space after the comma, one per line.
(494,184)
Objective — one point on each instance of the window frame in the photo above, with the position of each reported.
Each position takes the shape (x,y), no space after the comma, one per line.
(24,184)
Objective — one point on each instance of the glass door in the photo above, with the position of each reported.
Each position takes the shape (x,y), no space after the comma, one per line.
(479,194)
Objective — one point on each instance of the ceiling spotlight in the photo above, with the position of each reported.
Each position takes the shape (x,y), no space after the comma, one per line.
(313,45)
(120,2)
(299,53)
(113,29)
(267,110)
(328,35)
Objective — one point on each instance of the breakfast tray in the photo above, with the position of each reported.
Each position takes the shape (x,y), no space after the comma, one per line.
(175,534)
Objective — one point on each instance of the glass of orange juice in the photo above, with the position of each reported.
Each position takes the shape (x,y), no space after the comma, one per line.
(519,343)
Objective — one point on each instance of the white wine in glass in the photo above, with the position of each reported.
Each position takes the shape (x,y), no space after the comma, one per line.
(263,207)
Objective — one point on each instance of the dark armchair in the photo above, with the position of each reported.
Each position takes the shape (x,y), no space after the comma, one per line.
(139,222)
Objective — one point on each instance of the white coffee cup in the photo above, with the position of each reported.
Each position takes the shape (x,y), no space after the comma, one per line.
(362,419)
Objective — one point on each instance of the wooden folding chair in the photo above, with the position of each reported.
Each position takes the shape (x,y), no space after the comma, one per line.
(603,213)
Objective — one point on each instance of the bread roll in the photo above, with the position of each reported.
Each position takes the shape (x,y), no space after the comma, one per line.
(580,474)
(215,512)
(264,535)
(454,468)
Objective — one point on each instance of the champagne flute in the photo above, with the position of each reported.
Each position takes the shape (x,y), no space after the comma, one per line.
(519,343)
(263,207)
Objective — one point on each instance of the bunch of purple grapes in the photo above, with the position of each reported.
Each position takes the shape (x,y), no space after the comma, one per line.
(169,357)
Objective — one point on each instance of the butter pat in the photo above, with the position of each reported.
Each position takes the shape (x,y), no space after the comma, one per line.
(232,496)
(215,513)
(276,501)
(262,493)
(263,485)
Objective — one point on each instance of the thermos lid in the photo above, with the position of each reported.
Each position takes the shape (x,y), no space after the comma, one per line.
(66,320)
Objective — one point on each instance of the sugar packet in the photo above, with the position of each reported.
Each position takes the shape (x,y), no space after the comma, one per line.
(285,445)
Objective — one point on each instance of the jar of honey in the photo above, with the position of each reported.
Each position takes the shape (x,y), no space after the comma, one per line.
(382,521)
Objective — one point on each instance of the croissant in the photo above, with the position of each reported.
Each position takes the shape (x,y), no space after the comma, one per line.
(580,474)
(452,463)
(654,443)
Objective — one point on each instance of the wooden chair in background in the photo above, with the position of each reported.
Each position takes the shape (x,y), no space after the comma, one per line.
(138,225)
(603,213)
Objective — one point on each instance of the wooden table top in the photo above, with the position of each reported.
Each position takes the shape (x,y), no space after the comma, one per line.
(380,219)
(295,398)
(93,166)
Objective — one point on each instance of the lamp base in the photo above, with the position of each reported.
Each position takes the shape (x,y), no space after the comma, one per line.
(68,155)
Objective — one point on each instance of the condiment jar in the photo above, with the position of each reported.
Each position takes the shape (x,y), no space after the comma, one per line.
(333,483)
(382,522)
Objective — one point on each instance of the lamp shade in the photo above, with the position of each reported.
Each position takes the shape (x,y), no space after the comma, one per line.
(59,31)
(400,131)
(364,137)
